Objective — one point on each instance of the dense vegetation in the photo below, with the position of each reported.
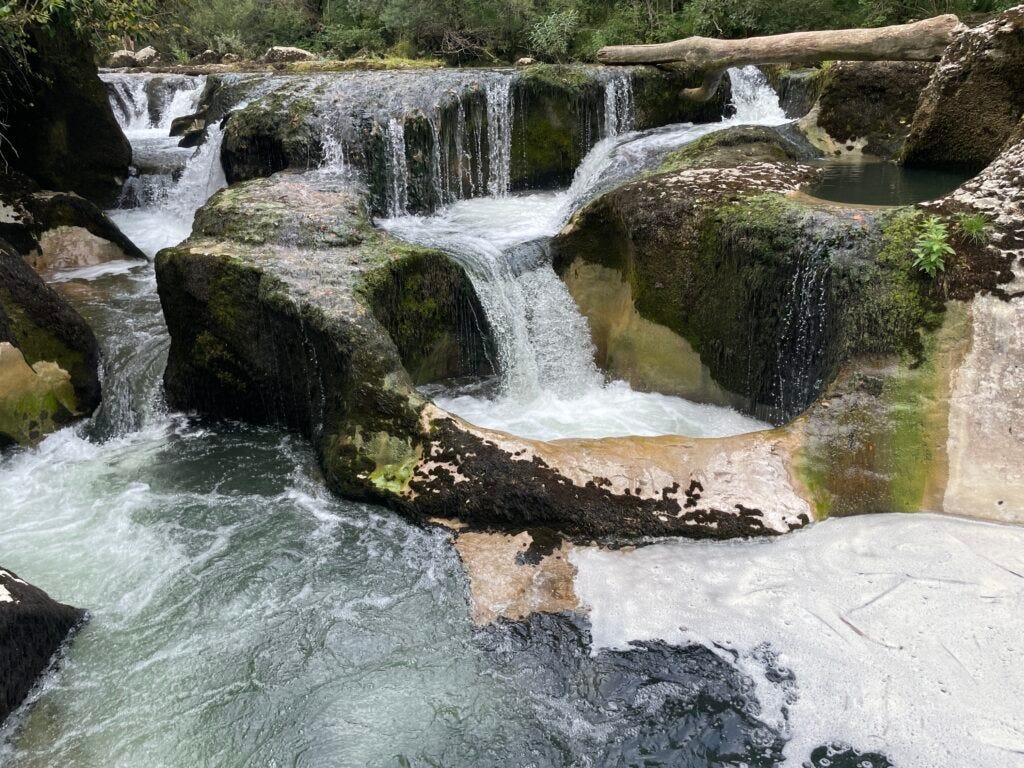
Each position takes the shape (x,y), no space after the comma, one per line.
(459,31)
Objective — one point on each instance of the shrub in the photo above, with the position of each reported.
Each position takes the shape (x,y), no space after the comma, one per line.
(932,246)
(345,42)
(552,36)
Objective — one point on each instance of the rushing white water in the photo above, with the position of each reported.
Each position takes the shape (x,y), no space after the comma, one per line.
(549,385)
(904,633)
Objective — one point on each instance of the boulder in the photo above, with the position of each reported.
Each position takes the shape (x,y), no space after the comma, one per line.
(230,58)
(286,307)
(974,100)
(895,392)
(866,107)
(281,54)
(48,345)
(58,230)
(122,58)
(33,628)
(525,61)
(186,123)
(206,57)
(147,57)
(62,128)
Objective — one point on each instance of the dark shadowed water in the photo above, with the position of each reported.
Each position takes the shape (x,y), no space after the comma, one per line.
(873,183)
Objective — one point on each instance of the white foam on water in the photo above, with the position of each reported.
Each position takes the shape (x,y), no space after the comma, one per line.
(905,632)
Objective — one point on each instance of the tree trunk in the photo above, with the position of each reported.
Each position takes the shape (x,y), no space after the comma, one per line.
(708,57)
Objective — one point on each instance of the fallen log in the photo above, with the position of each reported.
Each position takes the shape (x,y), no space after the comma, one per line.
(708,57)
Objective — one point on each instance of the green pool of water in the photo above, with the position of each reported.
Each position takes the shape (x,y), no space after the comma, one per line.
(883,183)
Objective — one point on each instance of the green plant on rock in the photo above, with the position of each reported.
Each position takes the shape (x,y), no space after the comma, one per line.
(974,227)
(932,246)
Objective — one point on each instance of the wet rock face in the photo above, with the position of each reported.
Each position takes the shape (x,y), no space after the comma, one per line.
(798,89)
(557,114)
(287,307)
(55,341)
(868,106)
(676,705)
(62,127)
(974,100)
(33,627)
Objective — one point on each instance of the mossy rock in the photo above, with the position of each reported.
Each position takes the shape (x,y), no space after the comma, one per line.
(741,145)
(772,294)
(46,331)
(870,104)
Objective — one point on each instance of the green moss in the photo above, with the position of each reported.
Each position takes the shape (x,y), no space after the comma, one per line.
(559,76)
(37,343)
(732,147)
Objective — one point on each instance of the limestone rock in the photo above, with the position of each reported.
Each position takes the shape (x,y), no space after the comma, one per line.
(47,332)
(230,58)
(286,307)
(206,57)
(865,107)
(280,54)
(974,100)
(56,230)
(122,58)
(33,628)
(147,57)
(525,61)
(34,400)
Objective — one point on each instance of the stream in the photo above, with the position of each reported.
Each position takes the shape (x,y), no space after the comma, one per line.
(243,616)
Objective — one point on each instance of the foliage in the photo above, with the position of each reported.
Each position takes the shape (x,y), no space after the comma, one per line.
(932,246)
(553,35)
(974,227)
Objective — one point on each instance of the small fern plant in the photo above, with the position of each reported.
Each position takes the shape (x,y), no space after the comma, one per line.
(974,227)
(932,246)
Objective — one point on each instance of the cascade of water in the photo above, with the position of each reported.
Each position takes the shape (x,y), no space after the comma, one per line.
(499,135)
(545,352)
(753,98)
(802,336)
(397,168)
(149,102)
(619,110)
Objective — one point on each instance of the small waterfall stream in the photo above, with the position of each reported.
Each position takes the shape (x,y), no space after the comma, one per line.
(549,386)
(242,616)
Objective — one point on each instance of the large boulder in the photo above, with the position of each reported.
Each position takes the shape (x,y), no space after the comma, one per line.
(974,101)
(905,390)
(48,346)
(61,126)
(285,306)
(206,57)
(58,230)
(147,57)
(33,628)
(121,59)
(281,54)
(866,107)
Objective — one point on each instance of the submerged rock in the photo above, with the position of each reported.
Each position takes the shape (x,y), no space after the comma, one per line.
(33,628)
(974,100)
(49,345)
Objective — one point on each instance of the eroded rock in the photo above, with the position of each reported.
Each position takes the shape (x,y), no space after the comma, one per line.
(280,54)
(49,344)
(33,628)
(974,100)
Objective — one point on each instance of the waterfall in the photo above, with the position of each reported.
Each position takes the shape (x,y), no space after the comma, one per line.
(619,111)
(397,168)
(753,98)
(499,136)
(149,102)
